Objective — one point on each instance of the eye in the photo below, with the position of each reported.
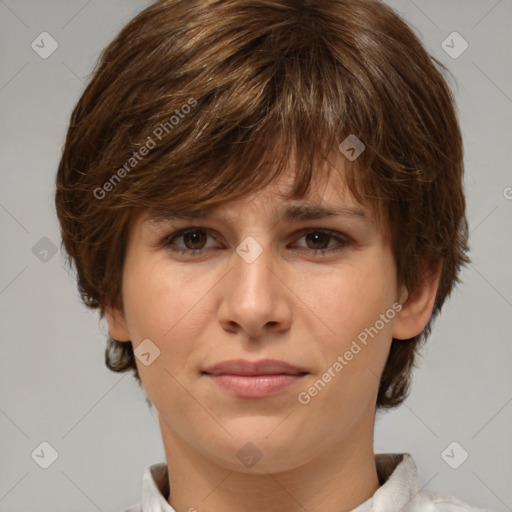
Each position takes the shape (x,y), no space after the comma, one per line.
(318,241)
(194,241)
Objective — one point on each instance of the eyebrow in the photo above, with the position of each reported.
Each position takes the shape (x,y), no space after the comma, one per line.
(299,212)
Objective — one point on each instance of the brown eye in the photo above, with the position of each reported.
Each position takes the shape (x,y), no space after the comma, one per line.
(322,242)
(318,240)
(188,240)
(194,239)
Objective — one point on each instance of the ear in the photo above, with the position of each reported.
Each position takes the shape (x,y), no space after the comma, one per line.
(117,324)
(418,305)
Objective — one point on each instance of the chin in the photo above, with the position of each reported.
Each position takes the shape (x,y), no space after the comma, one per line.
(256,454)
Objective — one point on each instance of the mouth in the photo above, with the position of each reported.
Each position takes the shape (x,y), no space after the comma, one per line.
(254,379)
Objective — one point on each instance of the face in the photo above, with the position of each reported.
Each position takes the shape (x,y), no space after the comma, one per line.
(247,282)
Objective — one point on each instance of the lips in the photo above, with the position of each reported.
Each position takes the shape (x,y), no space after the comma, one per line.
(244,367)
(254,379)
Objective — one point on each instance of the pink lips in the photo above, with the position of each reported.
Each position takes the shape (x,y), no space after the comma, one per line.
(254,379)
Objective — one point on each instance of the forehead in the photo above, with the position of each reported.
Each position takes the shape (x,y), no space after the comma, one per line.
(327,196)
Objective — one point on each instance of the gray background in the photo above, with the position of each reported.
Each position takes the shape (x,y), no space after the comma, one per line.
(54,386)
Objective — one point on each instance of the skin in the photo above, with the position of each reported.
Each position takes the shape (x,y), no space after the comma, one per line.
(289,304)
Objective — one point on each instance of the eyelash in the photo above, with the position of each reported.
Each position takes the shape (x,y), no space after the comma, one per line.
(342,240)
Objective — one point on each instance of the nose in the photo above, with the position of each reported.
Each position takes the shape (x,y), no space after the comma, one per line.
(255,297)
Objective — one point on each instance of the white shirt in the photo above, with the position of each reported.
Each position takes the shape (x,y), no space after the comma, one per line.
(398,491)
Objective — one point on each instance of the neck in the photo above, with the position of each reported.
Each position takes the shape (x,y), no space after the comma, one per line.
(338,480)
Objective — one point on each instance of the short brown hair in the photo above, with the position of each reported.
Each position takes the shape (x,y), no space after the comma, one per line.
(239,87)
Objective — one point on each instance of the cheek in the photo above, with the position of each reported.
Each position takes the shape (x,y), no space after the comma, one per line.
(349,299)
(159,307)
(167,306)
(156,298)
(349,304)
